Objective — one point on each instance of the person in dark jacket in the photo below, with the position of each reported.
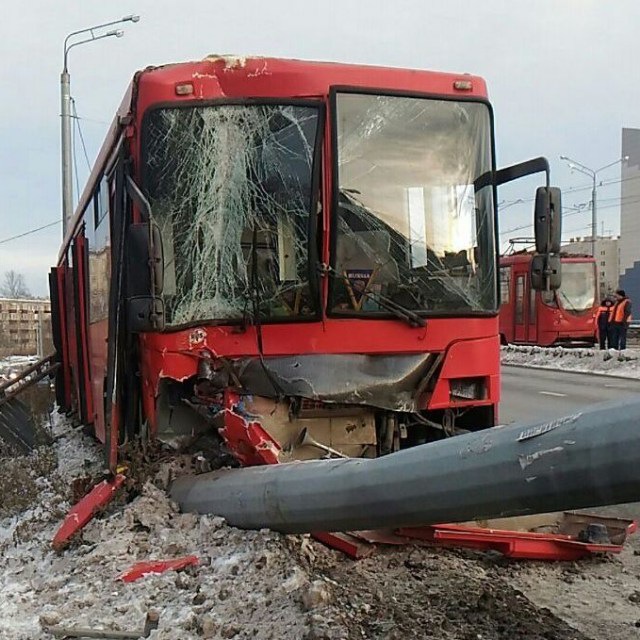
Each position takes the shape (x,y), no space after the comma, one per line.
(602,323)
(619,321)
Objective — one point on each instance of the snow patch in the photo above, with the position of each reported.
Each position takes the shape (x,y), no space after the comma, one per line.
(611,363)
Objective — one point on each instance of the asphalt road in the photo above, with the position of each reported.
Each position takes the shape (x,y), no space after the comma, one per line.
(529,394)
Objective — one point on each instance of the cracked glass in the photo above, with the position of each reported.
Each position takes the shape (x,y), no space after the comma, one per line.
(230,187)
(412,231)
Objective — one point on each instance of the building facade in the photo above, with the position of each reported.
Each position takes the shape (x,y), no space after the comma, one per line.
(607,259)
(630,214)
(25,327)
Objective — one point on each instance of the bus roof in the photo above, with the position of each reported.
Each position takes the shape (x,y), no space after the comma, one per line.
(237,77)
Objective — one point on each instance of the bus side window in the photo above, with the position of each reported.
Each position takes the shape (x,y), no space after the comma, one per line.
(99,254)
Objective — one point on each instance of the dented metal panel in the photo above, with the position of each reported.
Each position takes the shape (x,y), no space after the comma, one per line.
(386,382)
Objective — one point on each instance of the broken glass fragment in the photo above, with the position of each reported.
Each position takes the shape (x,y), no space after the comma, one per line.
(230,187)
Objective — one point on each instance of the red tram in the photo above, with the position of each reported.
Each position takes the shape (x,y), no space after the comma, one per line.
(297,256)
(564,316)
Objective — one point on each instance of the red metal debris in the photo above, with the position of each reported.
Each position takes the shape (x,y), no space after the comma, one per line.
(348,544)
(141,569)
(525,545)
(82,512)
(246,439)
(564,544)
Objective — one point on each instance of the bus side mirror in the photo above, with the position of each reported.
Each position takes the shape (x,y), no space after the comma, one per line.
(548,220)
(145,278)
(545,272)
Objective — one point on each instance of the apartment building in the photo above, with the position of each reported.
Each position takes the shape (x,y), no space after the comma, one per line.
(630,214)
(25,327)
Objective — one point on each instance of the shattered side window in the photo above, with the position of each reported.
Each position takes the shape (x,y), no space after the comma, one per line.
(230,187)
(412,230)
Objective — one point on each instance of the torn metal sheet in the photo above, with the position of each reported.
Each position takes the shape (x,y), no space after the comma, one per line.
(82,512)
(387,382)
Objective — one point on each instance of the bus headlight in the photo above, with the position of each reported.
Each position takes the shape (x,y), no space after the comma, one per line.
(468,389)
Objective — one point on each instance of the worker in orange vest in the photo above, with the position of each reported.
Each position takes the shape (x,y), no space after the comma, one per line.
(619,320)
(602,323)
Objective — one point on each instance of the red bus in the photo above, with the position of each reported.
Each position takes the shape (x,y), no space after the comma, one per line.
(278,250)
(545,318)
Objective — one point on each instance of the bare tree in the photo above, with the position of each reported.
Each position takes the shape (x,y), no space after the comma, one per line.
(14,286)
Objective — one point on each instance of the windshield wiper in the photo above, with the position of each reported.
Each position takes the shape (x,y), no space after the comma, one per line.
(564,295)
(398,310)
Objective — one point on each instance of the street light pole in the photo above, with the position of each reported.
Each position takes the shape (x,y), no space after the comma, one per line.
(66,160)
(594,216)
(65,147)
(593,174)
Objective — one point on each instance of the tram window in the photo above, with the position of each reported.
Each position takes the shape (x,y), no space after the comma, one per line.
(505,284)
(532,307)
(520,300)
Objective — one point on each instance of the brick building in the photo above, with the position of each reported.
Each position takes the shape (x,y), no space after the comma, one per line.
(25,327)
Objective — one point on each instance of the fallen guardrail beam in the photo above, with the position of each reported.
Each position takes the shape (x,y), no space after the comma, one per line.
(587,459)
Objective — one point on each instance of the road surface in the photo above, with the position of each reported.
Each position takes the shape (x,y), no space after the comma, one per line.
(531,394)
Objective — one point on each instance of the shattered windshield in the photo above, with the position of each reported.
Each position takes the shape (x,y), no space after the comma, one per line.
(230,187)
(578,290)
(411,228)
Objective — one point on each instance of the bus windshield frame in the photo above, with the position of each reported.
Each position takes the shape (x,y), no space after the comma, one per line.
(408,226)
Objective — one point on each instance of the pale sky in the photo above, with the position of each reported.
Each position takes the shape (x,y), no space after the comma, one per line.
(562,77)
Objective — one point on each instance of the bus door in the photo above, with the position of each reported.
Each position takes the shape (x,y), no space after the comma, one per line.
(70,329)
(99,260)
(80,289)
(60,336)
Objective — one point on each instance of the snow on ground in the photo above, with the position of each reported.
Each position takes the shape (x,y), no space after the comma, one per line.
(580,360)
(264,585)
(249,584)
(10,366)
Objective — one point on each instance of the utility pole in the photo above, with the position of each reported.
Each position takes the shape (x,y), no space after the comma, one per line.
(594,218)
(66,160)
(592,173)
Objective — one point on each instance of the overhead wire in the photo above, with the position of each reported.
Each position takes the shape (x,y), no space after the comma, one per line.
(30,231)
(77,123)
(74,161)
(615,204)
